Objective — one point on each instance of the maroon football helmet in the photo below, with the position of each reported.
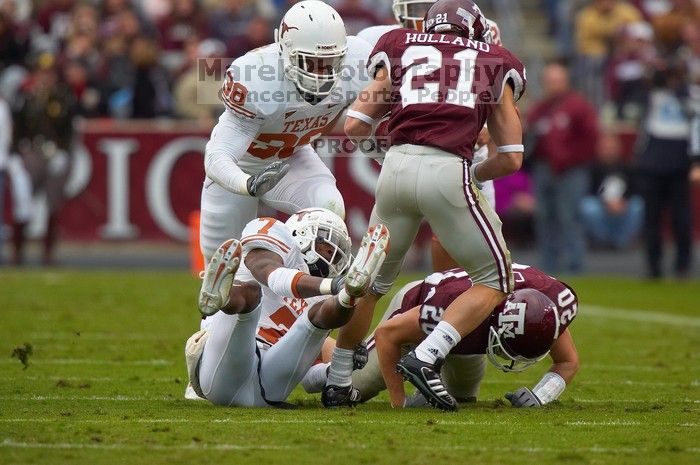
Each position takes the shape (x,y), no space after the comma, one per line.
(523,328)
(463,16)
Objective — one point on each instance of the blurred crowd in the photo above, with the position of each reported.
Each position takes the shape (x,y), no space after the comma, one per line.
(632,64)
(134,58)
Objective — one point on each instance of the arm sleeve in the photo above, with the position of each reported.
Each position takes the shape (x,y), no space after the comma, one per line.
(229,141)
(515,75)
(379,56)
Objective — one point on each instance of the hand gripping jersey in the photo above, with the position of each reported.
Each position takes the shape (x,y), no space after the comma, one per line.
(438,290)
(443,87)
(278,313)
(256,90)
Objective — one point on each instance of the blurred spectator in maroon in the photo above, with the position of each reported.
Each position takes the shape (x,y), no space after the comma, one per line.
(562,138)
(663,163)
(668,27)
(597,26)
(150,92)
(515,205)
(257,33)
(82,41)
(86,94)
(613,213)
(185,20)
(45,133)
(196,96)
(13,42)
(628,70)
(54,17)
(227,22)
(356,16)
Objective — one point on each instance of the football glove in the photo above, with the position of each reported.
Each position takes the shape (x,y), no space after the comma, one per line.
(523,397)
(260,183)
(337,284)
(360,356)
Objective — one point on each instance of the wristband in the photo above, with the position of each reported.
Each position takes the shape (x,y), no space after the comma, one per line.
(345,300)
(361,116)
(511,148)
(326,286)
(283,282)
(549,388)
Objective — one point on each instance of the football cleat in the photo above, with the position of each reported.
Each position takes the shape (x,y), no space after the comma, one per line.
(370,257)
(426,378)
(336,396)
(193,353)
(218,277)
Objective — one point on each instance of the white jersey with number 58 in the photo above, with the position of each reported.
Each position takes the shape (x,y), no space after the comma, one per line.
(271,111)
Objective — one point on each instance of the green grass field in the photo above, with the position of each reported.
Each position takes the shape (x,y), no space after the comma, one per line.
(105,380)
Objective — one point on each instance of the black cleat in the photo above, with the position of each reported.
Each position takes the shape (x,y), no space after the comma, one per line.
(336,396)
(426,378)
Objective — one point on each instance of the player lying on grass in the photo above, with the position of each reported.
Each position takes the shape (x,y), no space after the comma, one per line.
(532,322)
(256,288)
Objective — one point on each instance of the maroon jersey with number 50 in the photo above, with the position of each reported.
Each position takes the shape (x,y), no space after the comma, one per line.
(443,87)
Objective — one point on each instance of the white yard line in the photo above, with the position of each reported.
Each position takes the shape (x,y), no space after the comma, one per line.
(332,422)
(96,336)
(641,316)
(87,361)
(171,380)
(9,443)
(41,398)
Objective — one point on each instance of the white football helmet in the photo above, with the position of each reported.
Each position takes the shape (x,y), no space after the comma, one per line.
(323,239)
(410,13)
(313,45)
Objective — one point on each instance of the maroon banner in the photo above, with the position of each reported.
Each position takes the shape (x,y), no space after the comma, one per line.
(136,180)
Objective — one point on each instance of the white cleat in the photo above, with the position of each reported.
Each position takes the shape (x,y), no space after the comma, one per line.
(218,277)
(369,259)
(194,347)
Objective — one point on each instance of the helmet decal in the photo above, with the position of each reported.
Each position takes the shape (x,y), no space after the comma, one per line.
(286,28)
(512,321)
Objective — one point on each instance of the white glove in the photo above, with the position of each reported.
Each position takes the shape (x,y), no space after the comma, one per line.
(523,397)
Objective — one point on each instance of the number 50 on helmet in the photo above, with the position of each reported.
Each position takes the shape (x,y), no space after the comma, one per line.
(522,330)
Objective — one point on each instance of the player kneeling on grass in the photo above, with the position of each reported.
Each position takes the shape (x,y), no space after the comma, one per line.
(530,323)
(275,275)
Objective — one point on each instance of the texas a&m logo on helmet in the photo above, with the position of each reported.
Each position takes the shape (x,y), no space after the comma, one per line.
(522,330)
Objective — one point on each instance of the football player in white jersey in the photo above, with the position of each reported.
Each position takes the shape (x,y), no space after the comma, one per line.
(279,99)
(274,313)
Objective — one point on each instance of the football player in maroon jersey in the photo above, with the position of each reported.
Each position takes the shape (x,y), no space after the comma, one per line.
(521,330)
(440,87)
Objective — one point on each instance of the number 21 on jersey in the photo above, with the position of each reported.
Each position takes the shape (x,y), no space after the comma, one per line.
(432,77)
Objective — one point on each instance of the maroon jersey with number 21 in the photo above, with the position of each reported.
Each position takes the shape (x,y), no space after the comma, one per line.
(443,87)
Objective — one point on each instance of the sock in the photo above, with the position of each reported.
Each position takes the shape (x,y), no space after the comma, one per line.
(438,343)
(340,372)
